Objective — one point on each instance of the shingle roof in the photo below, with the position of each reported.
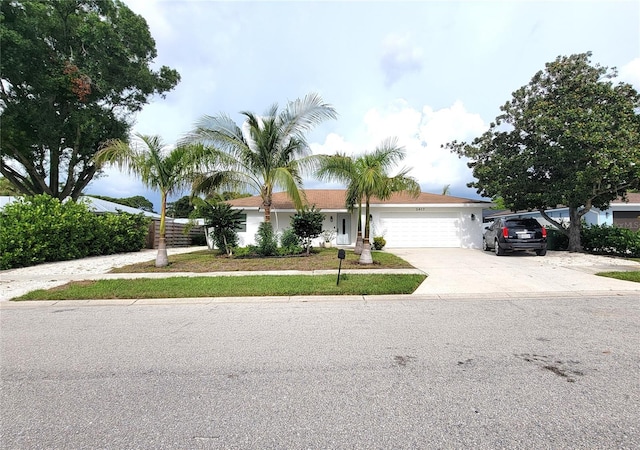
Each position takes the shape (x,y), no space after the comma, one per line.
(632,197)
(335,199)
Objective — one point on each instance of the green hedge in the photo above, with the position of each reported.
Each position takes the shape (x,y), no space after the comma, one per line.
(556,240)
(41,229)
(611,240)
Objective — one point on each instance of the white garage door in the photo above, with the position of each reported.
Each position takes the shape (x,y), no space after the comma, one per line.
(420,230)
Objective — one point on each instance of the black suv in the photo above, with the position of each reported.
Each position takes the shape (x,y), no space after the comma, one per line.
(506,235)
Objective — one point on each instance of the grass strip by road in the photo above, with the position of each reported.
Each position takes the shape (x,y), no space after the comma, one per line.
(231,286)
(627,276)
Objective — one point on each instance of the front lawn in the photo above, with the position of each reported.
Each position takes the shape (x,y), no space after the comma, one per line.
(321,259)
(262,285)
(232,286)
(627,276)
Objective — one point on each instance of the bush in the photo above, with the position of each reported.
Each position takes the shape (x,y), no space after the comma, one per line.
(120,233)
(225,240)
(556,240)
(307,225)
(199,239)
(41,229)
(379,242)
(611,240)
(224,221)
(267,242)
(289,243)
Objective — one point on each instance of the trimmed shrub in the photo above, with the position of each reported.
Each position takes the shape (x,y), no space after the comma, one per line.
(611,240)
(307,225)
(120,233)
(40,229)
(556,240)
(379,242)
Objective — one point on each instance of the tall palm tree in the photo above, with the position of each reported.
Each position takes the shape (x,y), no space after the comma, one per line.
(366,177)
(343,168)
(265,153)
(159,168)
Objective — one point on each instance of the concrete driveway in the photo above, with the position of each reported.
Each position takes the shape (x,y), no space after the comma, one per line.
(465,271)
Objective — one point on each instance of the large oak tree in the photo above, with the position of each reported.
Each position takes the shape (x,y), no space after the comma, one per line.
(72,74)
(571,137)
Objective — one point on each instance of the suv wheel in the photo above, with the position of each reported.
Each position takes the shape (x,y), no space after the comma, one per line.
(485,247)
(497,249)
(541,252)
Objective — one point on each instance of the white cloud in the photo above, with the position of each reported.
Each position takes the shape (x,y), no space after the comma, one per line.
(151,11)
(114,183)
(422,133)
(435,165)
(630,73)
(399,56)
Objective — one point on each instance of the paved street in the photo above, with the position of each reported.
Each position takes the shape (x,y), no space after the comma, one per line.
(411,373)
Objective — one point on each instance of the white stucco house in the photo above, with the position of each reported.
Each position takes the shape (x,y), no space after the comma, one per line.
(429,220)
(622,213)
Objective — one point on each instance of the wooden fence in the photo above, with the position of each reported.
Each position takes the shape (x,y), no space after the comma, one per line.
(174,234)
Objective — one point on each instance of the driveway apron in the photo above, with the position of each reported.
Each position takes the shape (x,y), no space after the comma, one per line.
(470,271)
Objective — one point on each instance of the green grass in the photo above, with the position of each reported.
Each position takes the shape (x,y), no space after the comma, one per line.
(211,261)
(627,276)
(232,286)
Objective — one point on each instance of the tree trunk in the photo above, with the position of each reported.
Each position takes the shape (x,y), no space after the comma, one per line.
(575,226)
(365,256)
(359,243)
(162,259)
(54,172)
(267,213)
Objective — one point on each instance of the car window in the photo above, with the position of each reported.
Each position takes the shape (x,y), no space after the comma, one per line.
(522,223)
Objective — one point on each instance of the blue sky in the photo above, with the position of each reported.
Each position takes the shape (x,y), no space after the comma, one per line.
(427,72)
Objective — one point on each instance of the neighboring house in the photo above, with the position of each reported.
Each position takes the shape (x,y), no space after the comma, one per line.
(430,220)
(175,235)
(96,205)
(625,214)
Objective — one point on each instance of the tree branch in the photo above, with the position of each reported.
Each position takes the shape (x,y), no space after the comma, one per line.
(555,223)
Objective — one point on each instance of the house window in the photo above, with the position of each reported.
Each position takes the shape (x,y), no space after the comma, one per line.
(243,224)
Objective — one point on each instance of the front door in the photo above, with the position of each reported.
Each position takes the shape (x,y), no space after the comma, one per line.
(344,229)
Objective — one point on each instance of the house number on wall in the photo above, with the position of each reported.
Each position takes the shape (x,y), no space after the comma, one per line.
(421,209)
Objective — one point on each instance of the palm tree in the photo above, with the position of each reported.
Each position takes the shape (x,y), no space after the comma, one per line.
(167,171)
(264,153)
(343,168)
(366,177)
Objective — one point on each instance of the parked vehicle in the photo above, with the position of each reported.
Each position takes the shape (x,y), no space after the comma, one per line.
(507,235)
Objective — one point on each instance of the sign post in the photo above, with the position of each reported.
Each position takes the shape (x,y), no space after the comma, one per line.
(341,256)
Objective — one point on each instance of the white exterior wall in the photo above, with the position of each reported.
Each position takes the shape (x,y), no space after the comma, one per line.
(280,220)
(458,219)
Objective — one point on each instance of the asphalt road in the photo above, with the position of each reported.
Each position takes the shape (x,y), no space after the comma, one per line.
(457,373)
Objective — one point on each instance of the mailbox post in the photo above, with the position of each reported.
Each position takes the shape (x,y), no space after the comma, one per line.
(341,256)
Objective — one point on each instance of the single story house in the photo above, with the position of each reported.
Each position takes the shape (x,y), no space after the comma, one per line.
(622,213)
(429,220)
